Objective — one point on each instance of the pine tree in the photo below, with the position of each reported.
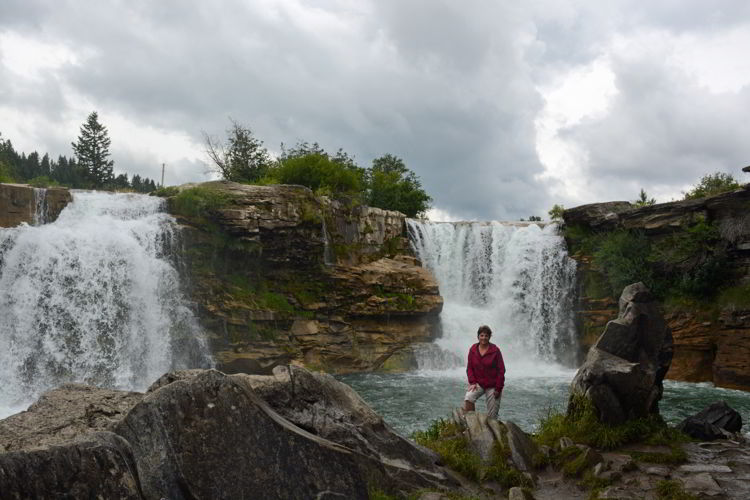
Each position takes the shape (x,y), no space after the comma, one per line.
(92,151)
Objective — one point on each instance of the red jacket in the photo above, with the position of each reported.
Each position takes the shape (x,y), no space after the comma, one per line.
(488,370)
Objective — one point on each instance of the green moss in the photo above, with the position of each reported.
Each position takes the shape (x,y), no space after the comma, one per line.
(574,467)
(672,490)
(595,285)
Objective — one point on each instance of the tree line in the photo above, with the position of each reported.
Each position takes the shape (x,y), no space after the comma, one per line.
(89,168)
(387,183)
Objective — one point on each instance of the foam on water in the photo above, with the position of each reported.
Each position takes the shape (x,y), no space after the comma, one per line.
(94,298)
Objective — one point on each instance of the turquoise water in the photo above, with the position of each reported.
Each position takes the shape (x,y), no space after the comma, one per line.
(410,401)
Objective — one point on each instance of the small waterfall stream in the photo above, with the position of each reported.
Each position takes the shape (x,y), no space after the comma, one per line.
(516,278)
(93,297)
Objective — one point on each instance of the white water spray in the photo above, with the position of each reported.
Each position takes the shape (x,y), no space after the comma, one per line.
(516,278)
(94,298)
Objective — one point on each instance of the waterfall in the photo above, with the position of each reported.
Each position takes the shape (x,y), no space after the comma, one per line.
(516,278)
(40,207)
(93,297)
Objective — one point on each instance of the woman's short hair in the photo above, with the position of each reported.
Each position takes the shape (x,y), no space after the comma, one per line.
(484,329)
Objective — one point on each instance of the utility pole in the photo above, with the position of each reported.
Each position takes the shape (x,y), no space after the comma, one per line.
(162,175)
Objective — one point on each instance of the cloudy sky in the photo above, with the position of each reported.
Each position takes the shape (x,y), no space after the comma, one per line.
(503,108)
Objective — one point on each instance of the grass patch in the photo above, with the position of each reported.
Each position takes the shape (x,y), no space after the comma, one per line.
(582,426)
(446,439)
(672,490)
(199,201)
(594,484)
(165,192)
(676,456)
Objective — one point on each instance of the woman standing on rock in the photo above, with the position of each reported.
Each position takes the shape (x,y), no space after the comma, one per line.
(486,372)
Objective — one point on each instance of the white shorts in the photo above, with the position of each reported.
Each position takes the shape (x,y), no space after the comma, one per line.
(493,403)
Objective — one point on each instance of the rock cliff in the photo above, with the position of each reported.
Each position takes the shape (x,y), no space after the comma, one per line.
(281,276)
(692,243)
(22,203)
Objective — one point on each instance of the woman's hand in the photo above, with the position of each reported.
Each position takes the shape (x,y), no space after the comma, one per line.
(471,387)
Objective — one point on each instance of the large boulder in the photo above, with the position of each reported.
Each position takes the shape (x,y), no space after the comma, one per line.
(717,421)
(623,372)
(204,434)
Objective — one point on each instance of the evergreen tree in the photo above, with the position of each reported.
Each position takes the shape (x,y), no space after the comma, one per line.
(92,151)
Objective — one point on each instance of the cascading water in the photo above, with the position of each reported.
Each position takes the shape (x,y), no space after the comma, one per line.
(94,298)
(516,278)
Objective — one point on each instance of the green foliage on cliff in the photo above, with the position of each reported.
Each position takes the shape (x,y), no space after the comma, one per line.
(199,201)
(5,172)
(328,175)
(688,263)
(711,185)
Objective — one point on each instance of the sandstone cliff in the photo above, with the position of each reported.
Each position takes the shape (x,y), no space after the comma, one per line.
(281,276)
(700,246)
(22,203)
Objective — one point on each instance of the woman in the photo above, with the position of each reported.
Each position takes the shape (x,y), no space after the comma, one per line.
(486,371)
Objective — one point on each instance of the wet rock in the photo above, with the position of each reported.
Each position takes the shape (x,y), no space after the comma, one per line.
(522,448)
(657,470)
(481,437)
(691,468)
(623,372)
(702,483)
(718,421)
(517,493)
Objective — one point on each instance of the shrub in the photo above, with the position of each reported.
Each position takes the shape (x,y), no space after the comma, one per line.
(711,185)
(42,182)
(320,173)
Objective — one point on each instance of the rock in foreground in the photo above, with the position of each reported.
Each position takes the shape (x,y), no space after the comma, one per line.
(204,434)
(623,372)
(718,421)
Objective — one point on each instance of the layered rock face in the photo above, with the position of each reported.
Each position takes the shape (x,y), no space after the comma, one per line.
(203,434)
(623,372)
(22,203)
(282,276)
(712,341)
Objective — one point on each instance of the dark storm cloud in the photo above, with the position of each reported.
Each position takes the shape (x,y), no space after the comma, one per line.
(449,87)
